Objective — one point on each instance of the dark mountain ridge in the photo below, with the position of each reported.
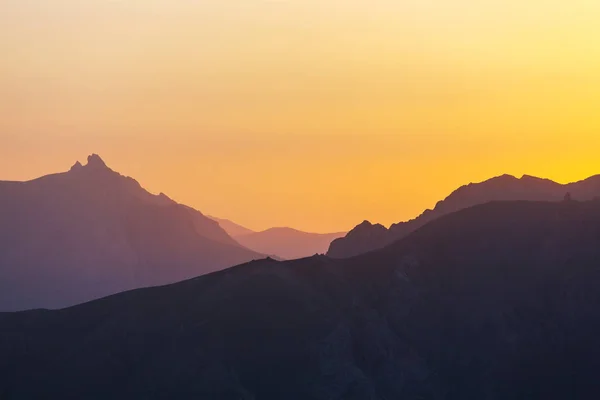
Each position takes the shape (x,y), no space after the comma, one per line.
(496,301)
(367,237)
(90,232)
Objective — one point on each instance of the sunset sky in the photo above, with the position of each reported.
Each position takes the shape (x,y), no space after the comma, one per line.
(315,114)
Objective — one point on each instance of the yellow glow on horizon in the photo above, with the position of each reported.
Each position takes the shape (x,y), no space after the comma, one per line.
(302,113)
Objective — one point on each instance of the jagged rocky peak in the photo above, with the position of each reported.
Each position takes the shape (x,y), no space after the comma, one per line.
(366,227)
(367,224)
(76,166)
(94,161)
(362,226)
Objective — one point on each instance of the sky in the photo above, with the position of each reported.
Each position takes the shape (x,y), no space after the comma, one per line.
(305,113)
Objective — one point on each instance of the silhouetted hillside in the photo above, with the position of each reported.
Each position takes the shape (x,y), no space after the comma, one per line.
(499,301)
(288,243)
(502,188)
(90,232)
(231,227)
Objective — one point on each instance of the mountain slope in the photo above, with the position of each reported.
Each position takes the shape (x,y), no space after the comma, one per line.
(288,243)
(503,188)
(231,227)
(496,301)
(90,232)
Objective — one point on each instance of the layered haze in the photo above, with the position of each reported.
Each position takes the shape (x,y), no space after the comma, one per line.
(216,249)
(316,115)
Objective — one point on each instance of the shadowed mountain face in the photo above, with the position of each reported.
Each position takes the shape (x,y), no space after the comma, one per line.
(90,232)
(288,243)
(367,237)
(499,301)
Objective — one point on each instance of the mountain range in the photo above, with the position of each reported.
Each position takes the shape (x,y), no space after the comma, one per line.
(367,237)
(496,301)
(90,232)
(288,243)
(283,243)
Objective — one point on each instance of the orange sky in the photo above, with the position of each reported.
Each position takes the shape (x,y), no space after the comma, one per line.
(300,113)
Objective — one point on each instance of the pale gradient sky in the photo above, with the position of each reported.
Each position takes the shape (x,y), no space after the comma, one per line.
(314,114)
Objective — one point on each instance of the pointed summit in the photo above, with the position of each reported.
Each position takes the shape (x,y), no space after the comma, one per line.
(365,225)
(76,166)
(107,225)
(95,161)
(164,196)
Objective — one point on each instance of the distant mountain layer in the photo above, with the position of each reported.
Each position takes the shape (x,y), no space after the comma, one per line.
(367,237)
(90,232)
(231,227)
(288,243)
(499,301)
(282,243)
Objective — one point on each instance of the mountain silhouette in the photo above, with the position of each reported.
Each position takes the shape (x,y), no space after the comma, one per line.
(366,238)
(233,229)
(288,243)
(90,232)
(281,243)
(497,301)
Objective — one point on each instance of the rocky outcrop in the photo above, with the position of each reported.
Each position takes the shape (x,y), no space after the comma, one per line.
(362,239)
